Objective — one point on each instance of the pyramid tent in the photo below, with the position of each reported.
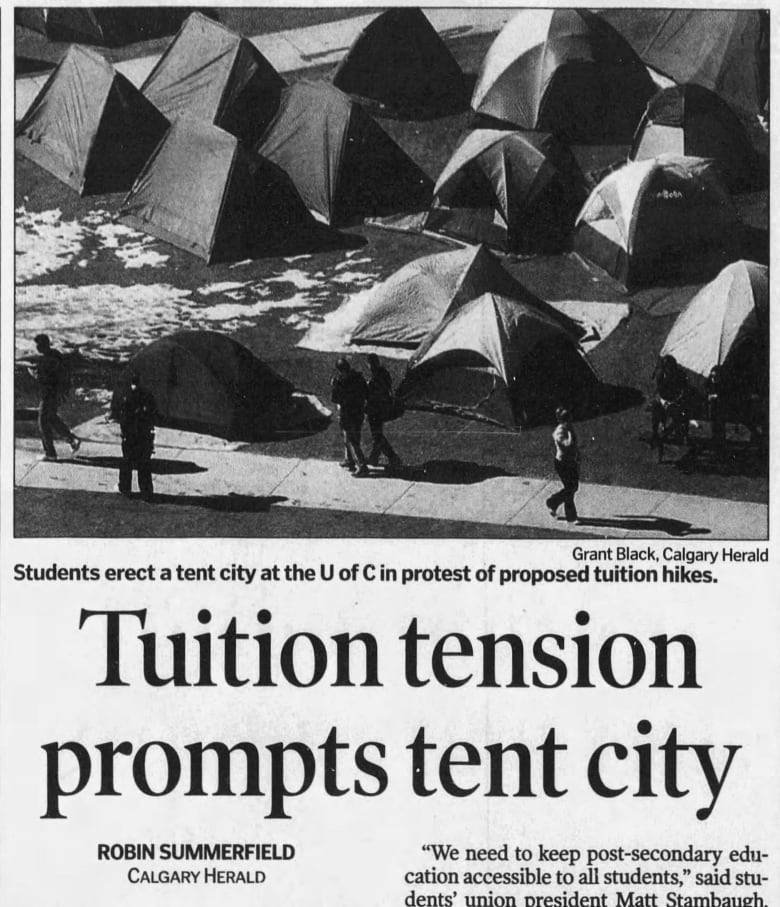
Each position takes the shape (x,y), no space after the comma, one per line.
(343,164)
(659,218)
(400,63)
(201,191)
(206,382)
(497,359)
(726,324)
(691,120)
(563,71)
(89,126)
(414,300)
(210,73)
(725,50)
(517,191)
(106,26)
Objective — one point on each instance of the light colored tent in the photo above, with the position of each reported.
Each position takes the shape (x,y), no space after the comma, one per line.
(201,191)
(413,301)
(210,73)
(107,26)
(89,126)
(206,382)
(725,50)
(566,72)
(500,360)
(517,191)
(726,324)
(343,164)
(400,63)
(656,219)
(691,120)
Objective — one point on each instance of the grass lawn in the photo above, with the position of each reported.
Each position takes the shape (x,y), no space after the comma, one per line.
(100,310)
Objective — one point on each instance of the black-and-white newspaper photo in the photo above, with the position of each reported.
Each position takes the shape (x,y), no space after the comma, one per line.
(388,491)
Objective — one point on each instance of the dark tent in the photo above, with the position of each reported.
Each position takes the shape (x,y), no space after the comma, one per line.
(400,63)
(566,72)
(518,191)
(205,382)
(500,360)
(343,164)
(694,121)
(210,73)
(89,126)
(414,300)
(725,50)
(726,324)
(667,217)
(104,25)
(201,191)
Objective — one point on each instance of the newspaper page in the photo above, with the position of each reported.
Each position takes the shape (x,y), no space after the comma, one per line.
(386,506)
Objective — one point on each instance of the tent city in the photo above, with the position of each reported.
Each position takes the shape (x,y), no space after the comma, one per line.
(468,272)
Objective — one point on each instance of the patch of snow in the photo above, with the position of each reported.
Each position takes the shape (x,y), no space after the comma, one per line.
(296,258)
(45,243)
(354,277)
(349,264)
(222,287)
(299,279)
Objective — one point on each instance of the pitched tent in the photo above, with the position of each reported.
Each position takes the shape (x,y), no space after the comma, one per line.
(210,73)
(725,324)
(667,217)
(343,164)
(517,191)
(201,191)
(400,63)
(413,301)
(724,50)
(563,71)
(691,120)
(106,26)
(89,126)
(206,382)
(500,360)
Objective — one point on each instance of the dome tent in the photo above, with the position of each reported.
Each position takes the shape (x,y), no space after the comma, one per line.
(694,121)
(725,50)
(343,164)
(212,74)
(413,301)
(201,191)
(400,63)
(517,191)
(499,360)
(89,126)
(566,72)
(726,324)
(667,217)
(205,382)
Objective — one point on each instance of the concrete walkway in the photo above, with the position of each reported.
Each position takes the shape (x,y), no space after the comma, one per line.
(607,511)
(303,48)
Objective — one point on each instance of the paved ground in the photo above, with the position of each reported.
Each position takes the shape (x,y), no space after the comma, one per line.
(432,494)
(302,48)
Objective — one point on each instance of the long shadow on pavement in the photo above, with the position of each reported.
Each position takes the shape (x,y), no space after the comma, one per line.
(160,467)
(657,524)
(231,503)
(449,472)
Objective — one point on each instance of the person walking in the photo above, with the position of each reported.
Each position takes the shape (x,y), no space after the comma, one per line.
(380,405)
(348,391)
(567,466)
(51,374)
(137,414)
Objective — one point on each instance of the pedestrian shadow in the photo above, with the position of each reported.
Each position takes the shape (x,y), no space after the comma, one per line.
(226,503)
(160,466)
(657,524)
(449,472)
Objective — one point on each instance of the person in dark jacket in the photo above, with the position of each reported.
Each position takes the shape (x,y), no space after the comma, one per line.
(567,466)
(348,391)
(137,414)
(379,408)
(51,374)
